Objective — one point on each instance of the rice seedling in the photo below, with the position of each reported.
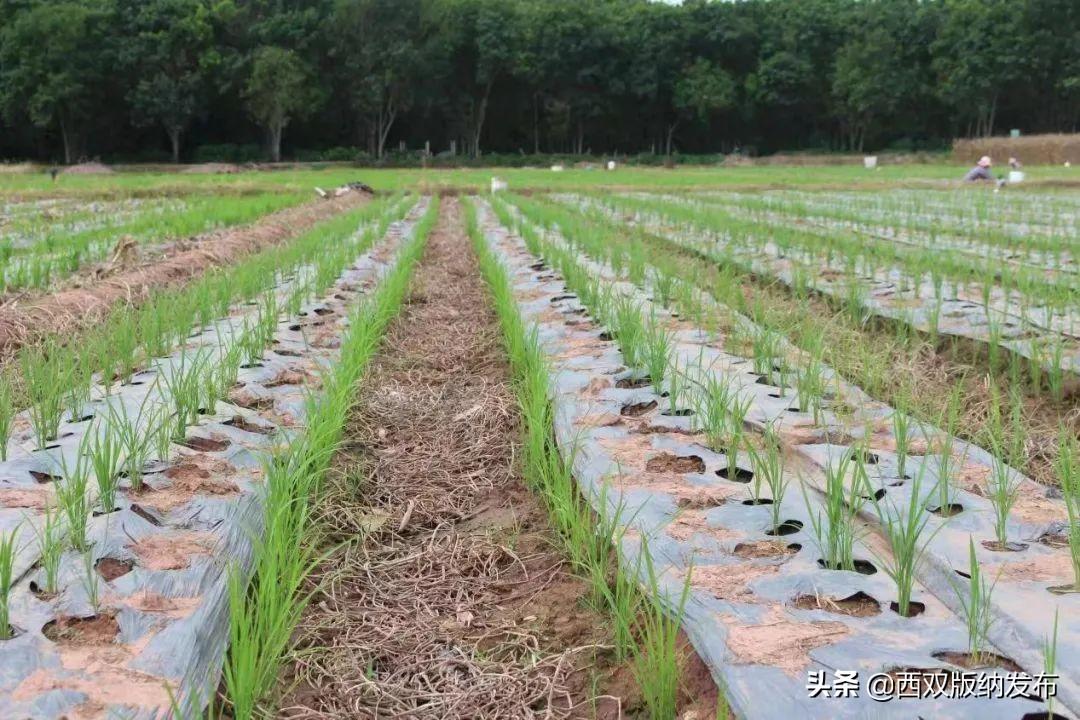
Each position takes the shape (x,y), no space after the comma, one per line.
(1003,490)
(7,416)
(74,500)
(675,390)
(104,448)
(712,410)
(1050,665)
(904,529)
(658,348)
(90,580)
(656,661)
(43,374)
(975,606)
(901,429)
(768,464)
(184,381)
(1068,472)
(7,567)
(835,532)
(736,430)
(50,546)
(630,331)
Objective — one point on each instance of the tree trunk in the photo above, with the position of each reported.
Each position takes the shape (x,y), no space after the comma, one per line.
(174,140)
(670,137)
(386,121)
(478,124)
(536,123)
(67,141)
(276,130)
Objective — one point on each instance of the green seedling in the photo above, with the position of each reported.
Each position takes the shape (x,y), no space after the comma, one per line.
(768,465)
(656,657)
(90,580)
(134,435)
(835,532)
(630,331)
(7,567)
(51,546)
(1068,472)
(901,427)
(184,382)
(104,449)
(712,410)
(73,498)
(1003,490)
(7,416)
(658,349)
(903,529)
(675,388)
(975,604)
(44,376)
(1050,665)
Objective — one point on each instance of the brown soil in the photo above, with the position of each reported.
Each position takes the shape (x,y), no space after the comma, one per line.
(111,568)
(970,662)
(27,320)
(93,630)
(455,601)
(764,549)
(172,551)
(669,463)
(858,605)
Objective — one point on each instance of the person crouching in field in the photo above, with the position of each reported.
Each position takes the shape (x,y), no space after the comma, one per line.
(981,171)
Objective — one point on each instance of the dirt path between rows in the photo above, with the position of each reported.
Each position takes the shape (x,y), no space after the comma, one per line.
(25,320)
(455,603)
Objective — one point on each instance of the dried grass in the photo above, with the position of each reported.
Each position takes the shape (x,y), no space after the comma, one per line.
(412,621)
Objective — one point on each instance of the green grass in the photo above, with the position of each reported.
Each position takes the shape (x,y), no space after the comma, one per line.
(7,565)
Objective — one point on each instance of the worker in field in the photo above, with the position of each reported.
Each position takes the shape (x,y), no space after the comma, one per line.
(981,171)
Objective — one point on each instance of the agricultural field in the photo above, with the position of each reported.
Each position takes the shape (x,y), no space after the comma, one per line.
(650,443)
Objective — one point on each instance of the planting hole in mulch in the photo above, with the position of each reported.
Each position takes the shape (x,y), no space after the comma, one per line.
(787,527)
(948,511)
(285,352)
(667,462)
(238,422)
(99,629)
(111,568)
(44,477)
(681,412)
(638,409)
(633,383)
(742,475)
(914,608)
(99,512)
(998,546)
(560,298)
(765,549)
(758,501)
(605,336)
(858,605)
(863,567)
(251,366)
(877,496)
(288,376)
(205,444)
(984,661)
(1044,715)
(322,311)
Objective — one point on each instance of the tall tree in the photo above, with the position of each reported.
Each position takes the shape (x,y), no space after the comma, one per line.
(55,60)
(170,54)
(375,48)
(277,91)
(702,91)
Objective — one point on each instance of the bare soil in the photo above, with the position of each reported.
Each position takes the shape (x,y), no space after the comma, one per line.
(451,598)
(26,319)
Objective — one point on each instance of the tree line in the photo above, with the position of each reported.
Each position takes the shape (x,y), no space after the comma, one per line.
(158,79)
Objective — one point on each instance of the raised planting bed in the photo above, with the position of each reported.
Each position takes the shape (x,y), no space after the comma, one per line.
(973,310)
(133,621)
(763,611)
